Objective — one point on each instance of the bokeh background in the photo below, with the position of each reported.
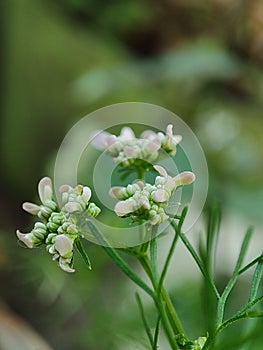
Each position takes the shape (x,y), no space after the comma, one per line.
(60,60)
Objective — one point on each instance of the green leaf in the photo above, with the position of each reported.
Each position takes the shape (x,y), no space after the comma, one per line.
(256,280)
(212,239)
(233,279)
(83,253)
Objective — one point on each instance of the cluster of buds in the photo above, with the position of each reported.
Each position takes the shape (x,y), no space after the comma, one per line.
(126,149)
(143,201)
(58,229)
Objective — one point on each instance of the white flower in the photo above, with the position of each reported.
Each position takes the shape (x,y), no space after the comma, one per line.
(45,194)
(143,201)
(64,245)
(77,200)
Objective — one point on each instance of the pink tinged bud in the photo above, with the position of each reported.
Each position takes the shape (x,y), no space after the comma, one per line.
(185,178)
(125,207)
(169,130)
(160,196)
(155,220)
(153,146)
(140,184)
(144,202)
(63,244)
(26,238)
(160,170)
(148,134)
(31,208)
(127,133)
(110,141)
(170,183)
(129,151)
(115,192)
(64,188)
(99,139)
(86,193)
(72,207)
(45,189)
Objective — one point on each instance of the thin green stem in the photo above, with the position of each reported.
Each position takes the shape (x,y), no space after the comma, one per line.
(243,313)
(171,250)
(233,279)
(153,260)
(249,265)
(144,320)
(156,334)
(173,317)
(166,324)
(197,259)
(118,260)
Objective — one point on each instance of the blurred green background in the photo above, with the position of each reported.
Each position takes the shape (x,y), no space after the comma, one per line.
(60,60)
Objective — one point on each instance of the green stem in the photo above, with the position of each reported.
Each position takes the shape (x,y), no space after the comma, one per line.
(198,261)
(153,260)
(118,260)
(166,324)
(144,320)
(173,317)
(233,279)
(171,251)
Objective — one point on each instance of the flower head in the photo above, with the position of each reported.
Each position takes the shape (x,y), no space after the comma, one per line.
(58,229)
(143,201)
(126,148)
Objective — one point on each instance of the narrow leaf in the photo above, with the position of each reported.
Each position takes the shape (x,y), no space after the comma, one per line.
(144,320)
(256,280)
(83,253)
(156,333)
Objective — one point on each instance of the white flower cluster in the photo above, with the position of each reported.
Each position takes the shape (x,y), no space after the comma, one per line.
(58,230)
(126,149)
(143,201)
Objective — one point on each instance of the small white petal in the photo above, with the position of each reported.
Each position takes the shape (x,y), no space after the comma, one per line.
(99,139)
(127,133)
(160,170)
(169,130)
(45,189)
(63,244)
(177,138)
(25,238)
(185,178)
(153,146)
(148,134)
(64,265)
(115,192)
(129,151)
(160,196)
(125,207)
(72,207)
(110,140)
(86,193)
(144,202)
(31,208)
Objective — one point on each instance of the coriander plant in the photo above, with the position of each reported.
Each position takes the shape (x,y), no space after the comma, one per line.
(59,228)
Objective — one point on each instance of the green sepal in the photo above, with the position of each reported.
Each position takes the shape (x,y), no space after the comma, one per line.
(83,252)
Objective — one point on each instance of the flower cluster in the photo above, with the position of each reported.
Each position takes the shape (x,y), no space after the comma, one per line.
(58,229)
(143,201)
(126,148)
